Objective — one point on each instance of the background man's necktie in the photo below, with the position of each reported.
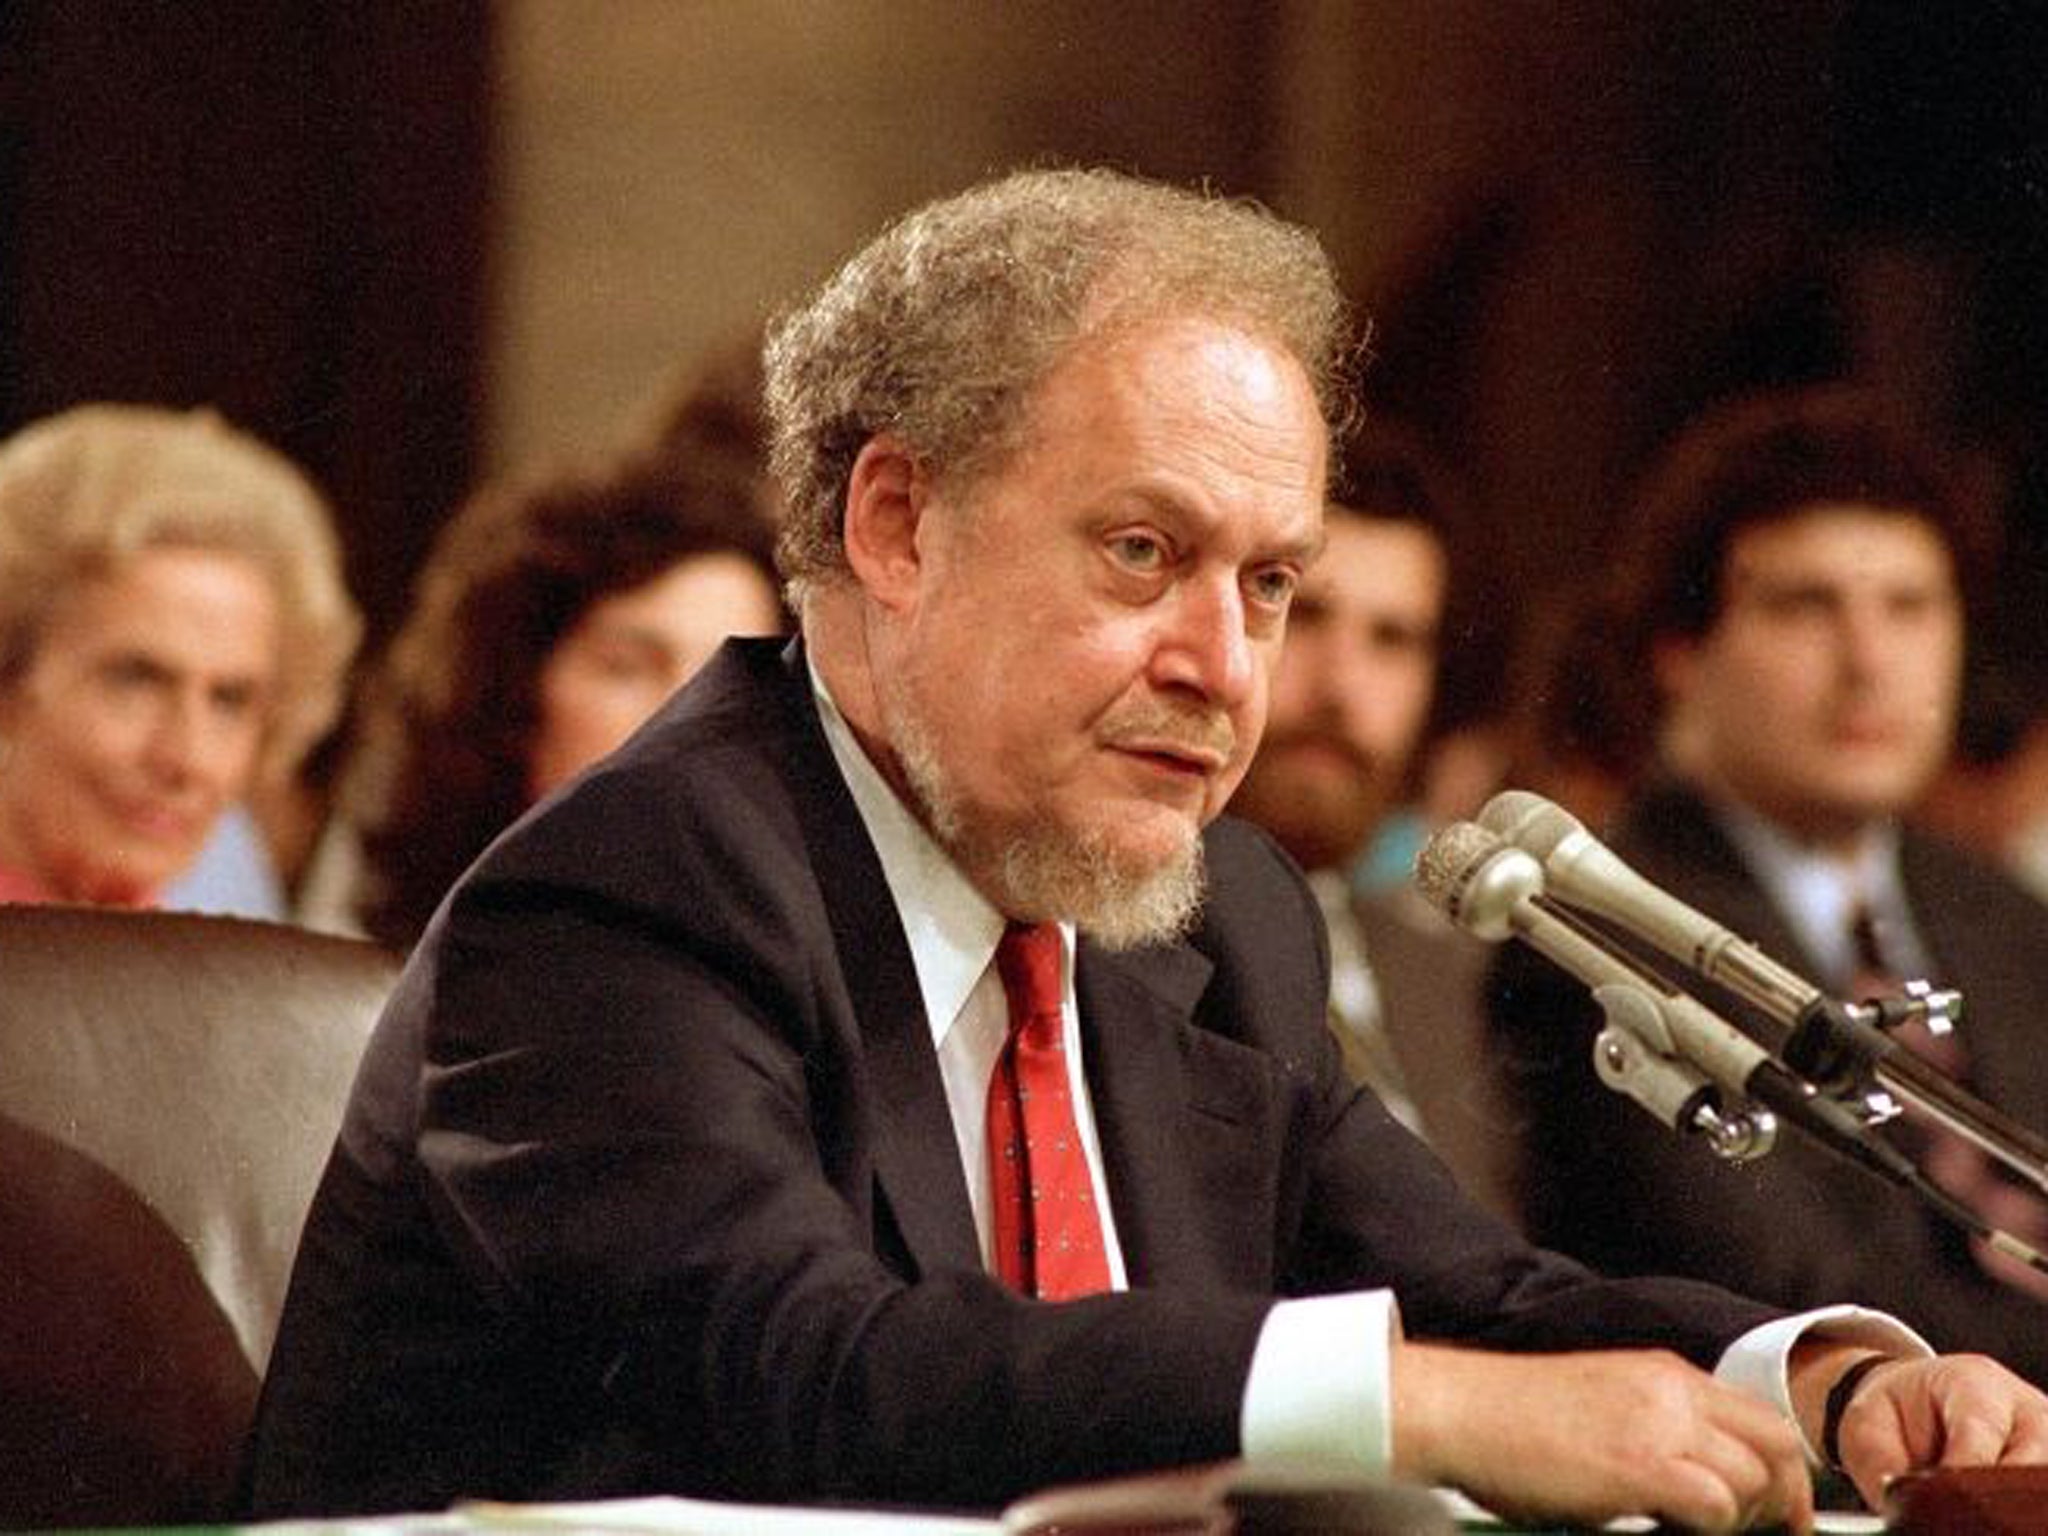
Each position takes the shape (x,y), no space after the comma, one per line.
(1048,1234)
(1950,1160)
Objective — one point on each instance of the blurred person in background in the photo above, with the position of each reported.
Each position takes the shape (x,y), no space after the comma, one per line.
(1580,720)
(174,632)
(551,620)
(1992,797)
(1807,578)
(1350,700)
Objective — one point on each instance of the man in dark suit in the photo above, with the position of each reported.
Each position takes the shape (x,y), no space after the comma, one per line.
(1803,598)
(668,1169)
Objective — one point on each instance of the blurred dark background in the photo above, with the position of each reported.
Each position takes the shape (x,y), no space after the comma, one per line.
(417,244)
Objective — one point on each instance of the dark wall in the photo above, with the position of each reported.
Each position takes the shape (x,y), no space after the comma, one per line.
(1671,204)
(276,209)
(1598,220)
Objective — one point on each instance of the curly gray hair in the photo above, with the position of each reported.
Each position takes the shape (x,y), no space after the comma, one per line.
(83,490)
(940,329)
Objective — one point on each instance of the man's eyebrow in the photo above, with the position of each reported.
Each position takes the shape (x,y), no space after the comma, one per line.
(1309,550)
(1305,551)
(1168,507)
(1769,578)
(136,658)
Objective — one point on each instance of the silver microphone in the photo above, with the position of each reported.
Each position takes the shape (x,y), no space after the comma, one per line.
(1828,1042)
(1495,890)
(1581,871)
(1663,1049)
(1658,1039)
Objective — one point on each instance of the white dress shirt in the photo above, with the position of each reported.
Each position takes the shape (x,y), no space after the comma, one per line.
(953,932)
(1321,1376)
(1819,894)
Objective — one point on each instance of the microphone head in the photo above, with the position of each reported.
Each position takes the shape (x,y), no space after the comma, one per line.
(1529,821)
(1476,880)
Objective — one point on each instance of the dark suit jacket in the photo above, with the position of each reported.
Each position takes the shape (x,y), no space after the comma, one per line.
(1606,1182)
(648,1182)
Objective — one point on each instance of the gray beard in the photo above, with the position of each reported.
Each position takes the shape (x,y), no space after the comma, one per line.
(1037,872)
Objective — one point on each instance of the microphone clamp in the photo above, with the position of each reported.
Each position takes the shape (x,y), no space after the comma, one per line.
(1637,1054)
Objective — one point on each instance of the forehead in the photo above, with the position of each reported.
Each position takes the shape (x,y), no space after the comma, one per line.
(202,608)
(1181,404)
(1838,543)
(681,592)
(1381,561)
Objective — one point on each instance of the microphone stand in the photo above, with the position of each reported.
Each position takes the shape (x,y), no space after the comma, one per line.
(1675,1057)
(1844,1046)
(1820,1084)
(1654,1049)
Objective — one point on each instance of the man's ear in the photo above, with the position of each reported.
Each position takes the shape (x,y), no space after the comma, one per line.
(885,496)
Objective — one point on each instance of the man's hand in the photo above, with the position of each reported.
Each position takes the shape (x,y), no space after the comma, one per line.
(1587,1437)
(1912,1414)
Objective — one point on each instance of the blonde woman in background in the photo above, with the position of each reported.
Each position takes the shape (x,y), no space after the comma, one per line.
(174,632)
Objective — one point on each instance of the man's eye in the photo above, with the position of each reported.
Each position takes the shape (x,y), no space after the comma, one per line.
(1273,587)
(237,700)
(1138,551)
(1915,605)
(129,673)
(1795,604)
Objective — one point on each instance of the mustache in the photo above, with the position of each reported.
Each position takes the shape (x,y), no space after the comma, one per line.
(1368,764)
(1197,731)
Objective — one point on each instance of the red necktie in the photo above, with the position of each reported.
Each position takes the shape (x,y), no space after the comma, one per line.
(1950,1160)
(1048,1236)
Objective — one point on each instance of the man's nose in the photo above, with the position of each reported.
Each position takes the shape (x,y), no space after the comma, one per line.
(1208,649)
(1354,688)
(1866,642)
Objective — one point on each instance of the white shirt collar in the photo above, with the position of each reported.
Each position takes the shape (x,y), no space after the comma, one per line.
(952,928)
(1819,893)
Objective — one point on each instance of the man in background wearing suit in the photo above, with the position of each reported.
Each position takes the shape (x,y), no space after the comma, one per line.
(1804,595)
(1349,702)
(886,1078)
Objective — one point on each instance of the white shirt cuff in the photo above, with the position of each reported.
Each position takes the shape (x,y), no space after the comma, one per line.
(1320,1386)
(1757,1361)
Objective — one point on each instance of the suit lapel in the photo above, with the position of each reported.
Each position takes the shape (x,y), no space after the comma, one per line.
(1150,1069)
(1687,850)
(917,1162)
(917,1156)
(1180,1108)
(1981,938)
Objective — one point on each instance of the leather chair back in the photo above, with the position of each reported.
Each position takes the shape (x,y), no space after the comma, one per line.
(170,1086)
